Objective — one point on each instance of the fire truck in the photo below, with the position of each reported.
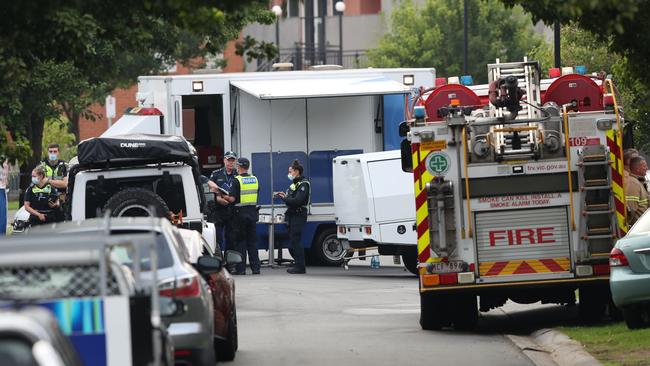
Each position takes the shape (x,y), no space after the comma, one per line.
(517,197)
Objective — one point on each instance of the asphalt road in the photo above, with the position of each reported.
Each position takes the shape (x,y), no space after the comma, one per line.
(367,316)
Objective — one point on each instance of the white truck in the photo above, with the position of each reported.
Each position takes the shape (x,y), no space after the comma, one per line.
(273,118)
(374,206)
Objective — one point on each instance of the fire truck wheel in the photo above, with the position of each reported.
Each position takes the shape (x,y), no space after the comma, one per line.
(433,311)
(464,313)
(592,304)
(136,202)
(410,259)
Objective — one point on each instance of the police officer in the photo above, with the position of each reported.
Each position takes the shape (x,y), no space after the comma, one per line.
(297,199)
(244,191)
(41,200)
(56,171)
(224,178)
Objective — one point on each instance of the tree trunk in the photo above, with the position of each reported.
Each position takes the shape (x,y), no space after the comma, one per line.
(35,135)
(74,118)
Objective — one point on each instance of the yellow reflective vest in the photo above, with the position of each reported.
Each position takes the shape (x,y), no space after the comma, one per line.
(248,188)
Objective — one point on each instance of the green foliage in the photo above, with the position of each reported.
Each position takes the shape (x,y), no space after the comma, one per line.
(254,49)
(613,344)
(57,130)
(432,36)
(60,56)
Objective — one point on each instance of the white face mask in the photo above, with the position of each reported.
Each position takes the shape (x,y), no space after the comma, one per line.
(290,177)
(35,180)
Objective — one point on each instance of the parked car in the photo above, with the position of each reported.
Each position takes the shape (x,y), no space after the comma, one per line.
(32,337)
(94,296)
(193,331)
(629,281)
(223,292)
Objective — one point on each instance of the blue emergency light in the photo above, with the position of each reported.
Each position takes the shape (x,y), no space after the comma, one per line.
(419,112)
(466,80)
(581,70)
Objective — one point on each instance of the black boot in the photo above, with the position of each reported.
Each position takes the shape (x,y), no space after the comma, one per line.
(296,270)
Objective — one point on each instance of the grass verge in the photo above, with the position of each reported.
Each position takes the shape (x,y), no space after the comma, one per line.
(613,344)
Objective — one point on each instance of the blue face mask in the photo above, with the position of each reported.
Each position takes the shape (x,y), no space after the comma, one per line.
(53,157)
(35,180)
(290,177)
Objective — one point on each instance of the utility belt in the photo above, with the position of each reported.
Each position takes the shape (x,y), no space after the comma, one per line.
(298,211)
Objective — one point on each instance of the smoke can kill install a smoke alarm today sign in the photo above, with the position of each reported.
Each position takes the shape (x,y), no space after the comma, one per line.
(438,163)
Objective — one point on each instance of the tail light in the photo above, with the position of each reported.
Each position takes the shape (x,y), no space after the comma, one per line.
(617,258)
(368,230)
(181,287)
(342,229)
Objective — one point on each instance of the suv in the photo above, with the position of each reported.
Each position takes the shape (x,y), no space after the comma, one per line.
(139,175)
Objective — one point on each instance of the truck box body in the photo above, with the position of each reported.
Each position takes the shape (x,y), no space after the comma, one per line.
(373,200)
(274,118)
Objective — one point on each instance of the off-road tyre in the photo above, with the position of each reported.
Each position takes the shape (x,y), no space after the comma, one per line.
(136,202)
(410,260)
(226,349)
(327,250)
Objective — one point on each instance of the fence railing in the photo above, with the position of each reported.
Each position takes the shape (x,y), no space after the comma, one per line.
(302,58)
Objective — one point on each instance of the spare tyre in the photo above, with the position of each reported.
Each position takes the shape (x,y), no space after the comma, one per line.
(133,202)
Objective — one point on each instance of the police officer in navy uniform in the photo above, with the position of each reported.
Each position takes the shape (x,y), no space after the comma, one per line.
(224,178)
(244,198)
(41,200)
(297,199)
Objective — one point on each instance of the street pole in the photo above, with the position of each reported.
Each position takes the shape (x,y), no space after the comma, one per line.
(340,8)
(277,10)
(556,43)
(465,38)
(277,38)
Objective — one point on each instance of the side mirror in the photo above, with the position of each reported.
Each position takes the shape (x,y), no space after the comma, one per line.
(233,257)
(407,156)
(403,129)
(171,307)
(208,264)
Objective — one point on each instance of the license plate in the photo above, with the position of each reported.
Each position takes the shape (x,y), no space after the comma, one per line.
(446,267)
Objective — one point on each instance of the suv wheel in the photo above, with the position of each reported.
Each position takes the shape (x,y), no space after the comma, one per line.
(133,202)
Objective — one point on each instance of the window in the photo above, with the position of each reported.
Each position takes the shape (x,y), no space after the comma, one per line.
(293,8)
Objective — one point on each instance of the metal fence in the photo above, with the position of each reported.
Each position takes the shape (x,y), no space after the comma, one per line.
(48,282)
(302,58)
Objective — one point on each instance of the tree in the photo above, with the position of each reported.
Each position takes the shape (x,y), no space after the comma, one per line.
(60,56)
(432,36)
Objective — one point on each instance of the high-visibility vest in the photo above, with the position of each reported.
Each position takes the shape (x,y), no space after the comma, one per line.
(47,189)
(248,188)
(53,173)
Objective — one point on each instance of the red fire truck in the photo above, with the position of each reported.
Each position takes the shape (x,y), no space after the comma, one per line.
(517,198)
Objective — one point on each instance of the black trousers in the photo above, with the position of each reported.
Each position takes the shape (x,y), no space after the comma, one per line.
(247,242)
(225,233)
(296,224)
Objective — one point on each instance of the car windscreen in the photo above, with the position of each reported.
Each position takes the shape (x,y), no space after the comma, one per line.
(125,256)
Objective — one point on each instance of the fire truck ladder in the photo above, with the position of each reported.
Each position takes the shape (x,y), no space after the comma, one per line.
(597,210)
(518,139)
